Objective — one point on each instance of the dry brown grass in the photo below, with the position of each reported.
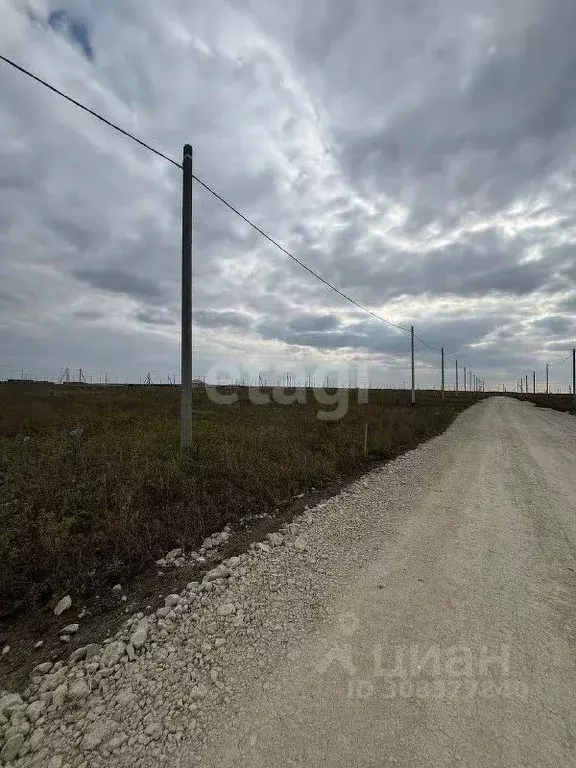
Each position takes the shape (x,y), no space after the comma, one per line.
(80,510)
(564,403)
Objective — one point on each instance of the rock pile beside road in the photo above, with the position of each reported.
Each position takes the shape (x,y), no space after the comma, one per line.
(151,695)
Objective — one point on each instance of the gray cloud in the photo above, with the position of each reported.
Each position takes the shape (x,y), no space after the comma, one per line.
(156,318)
(316,323)
(555,325)
(117,281)
(417,155)
(221,319)
(8,301)
(89,314)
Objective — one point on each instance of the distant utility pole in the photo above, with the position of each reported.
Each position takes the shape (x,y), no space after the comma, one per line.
(465,379)
(574,374)
(412,349)
(547,387)
(526,383)
(534,382)
(442,350)
(186,351)
(456,376)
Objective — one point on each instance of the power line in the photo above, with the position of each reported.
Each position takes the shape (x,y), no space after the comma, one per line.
(561,362)
(434,349)
(219,197)
(90,111)
(541,371)
(207,188)
(301,263)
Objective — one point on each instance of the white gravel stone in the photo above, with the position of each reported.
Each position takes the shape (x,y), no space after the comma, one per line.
(97,733)
(10,702)
(59,695)
(71,629)
(112,654)
(79,689)
(86,652)
(35,710)
(37,738)
(44,668)
(63,605)
(220,572)
(171,600)
(11,749)
(140,635)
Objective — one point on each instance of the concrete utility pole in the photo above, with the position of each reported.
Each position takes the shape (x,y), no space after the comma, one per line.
(526,383)
(547,387)
(413,382)
(442,351)
(574,374)
(534,382)
(186,351)
(464,379)
(456,376)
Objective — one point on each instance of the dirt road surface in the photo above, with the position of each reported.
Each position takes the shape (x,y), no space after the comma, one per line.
(454,643)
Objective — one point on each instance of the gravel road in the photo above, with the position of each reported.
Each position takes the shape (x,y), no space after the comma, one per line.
(423,617)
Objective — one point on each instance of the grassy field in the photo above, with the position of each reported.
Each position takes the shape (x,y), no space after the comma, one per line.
(93,486)
(564,403)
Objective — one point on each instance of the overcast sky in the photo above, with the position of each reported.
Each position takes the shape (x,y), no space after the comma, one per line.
(420,155)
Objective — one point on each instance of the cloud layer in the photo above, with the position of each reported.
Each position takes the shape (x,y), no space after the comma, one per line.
(418,155)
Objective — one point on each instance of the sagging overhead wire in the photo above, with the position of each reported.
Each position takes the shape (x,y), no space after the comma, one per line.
(219,197)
